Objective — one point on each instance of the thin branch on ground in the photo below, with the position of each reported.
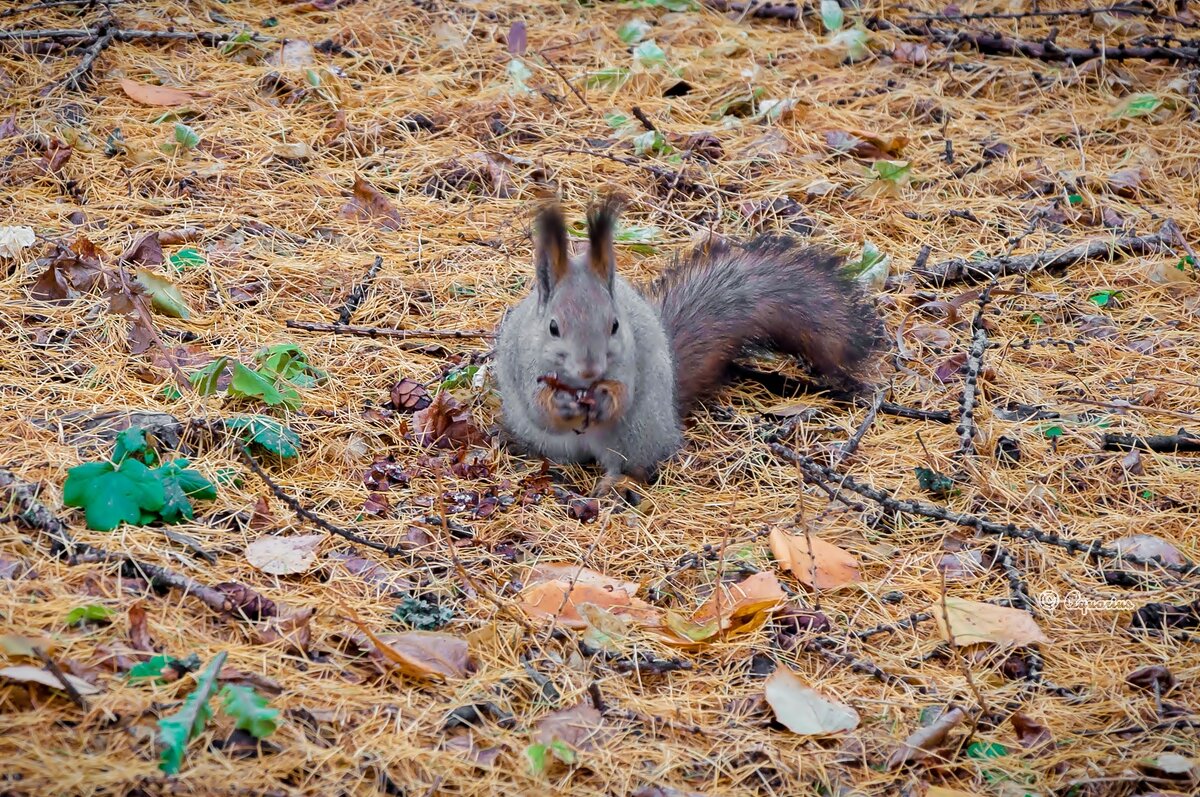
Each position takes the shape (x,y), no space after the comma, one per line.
(971,369)
(359,293)
(1183,440)
(386,332)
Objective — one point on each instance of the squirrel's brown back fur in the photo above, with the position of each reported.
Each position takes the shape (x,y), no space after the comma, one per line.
(774,292)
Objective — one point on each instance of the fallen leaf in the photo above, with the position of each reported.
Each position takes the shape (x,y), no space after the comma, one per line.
(15,239)
(28,673)
(297,150)
(974,622)
(605,631)
(835,567)
(516,38)
(752,596)
(445,423)
(139,633)
(560,600)
(68,270)
(1170,765)
(566,571)
(865,146)
(291,628)
(293,53)
(369,203)
(1128,182)
(464,744)
(1155,676)
(1030,733)
(580,726)
(924,741)
(245,600)
(283,556)
(165,96)
(950,369)
(804,710)
(164,295)
(420,654)
(145,251)
(375,574)
(911,53)
(261,517)
(1148,546)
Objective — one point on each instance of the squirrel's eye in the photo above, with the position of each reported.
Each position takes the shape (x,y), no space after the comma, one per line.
(554,328)
(616,326)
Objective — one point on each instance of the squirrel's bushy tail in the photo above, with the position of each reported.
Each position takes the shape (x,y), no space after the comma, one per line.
(775,292)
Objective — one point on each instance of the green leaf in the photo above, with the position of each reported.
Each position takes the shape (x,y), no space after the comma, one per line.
(1036,320)
(269,22)
(1075,199)
(164,296)
(898,172)
(854,41)
(187,257)
(611,76)
(287,362)
(1137,105)
(634,30)
(651,142)
(180,485)
(313,78)
(205,379)
(131,442)
(986,750)
(186,137)
(229,476)
(250,710)
(266,433)
(562,751)
(175,731)
(244,37)
(92,613)
(933,482)
(152,670)
(422,615)
(170,393)
(536,755)
(832,15)
(460,377)
(617,120)
(111,496)
(1052,432)
(518,73)
(248,384)
(1104,298)
(1147,494)
(648,53)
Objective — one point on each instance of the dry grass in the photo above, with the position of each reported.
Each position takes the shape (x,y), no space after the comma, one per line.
(448,61)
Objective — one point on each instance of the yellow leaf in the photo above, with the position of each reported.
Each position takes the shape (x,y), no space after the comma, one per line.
(974,622)
(835,567)
(757,593)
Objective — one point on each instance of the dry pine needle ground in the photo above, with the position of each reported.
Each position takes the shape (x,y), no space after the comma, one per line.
(422,101)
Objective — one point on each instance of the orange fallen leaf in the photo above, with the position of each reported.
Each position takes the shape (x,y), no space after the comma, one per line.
(747,598)
(148,94)
(974,623)
(566,571)
(420,654)
(369,203)
(560,599)
(835,567)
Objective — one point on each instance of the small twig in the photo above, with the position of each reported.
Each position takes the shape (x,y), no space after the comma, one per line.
(851,445)
(53,33)
(553,65)
(958,657)
(960,270)
(386,332)
(1183,440)
(31,513)
(57,4)
(312,517)
(1068,12)
(78,78)
(640,115)
(359,292)
(971,369)
(1094,549)
(57,672)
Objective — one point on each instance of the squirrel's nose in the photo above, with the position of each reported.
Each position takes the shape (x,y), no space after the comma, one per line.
(589,373)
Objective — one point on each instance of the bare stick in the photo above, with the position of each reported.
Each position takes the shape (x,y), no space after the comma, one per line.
(79,77)
(360,292)
(1182,441)
(851,445)
(386,332)
(312,517)
(57,672)
(971,370)
(960,270)
(55,33)
(550,61)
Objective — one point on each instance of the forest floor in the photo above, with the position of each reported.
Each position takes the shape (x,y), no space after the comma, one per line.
(346,588)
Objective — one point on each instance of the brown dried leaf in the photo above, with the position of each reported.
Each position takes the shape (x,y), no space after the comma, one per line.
(180,235)
(911,53)
(1155,675)
(376,505)
(283,556)
(261,517)
(464,743)
(569,572)
(163,96)
(145,251)
(374,574)
(924,741)
(445,423)
(292,629)
(420,654)
(247,601)
(370,204)
(409,395)
(560,600)
(951,368)
(752,596)
(834,568)
(581,726)
(975,622)
(1030,733)
(865,146)
(67,270)
(139,634)
(1128,182)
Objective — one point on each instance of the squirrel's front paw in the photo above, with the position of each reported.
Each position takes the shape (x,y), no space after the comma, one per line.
(608,402)
(562,409)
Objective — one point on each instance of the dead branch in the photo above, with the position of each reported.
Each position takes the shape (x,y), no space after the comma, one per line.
(386,332)
(971,369)
(359,292)
(1182,440)
(960,270)
(79,77)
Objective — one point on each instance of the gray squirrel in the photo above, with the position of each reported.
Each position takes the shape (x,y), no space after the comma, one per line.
(591,368)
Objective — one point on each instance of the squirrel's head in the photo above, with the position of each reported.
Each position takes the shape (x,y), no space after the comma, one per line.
(581,337)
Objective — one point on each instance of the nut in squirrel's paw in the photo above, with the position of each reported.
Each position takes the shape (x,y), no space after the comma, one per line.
(578,409)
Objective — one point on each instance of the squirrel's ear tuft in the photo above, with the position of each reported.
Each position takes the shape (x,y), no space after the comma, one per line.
(602,224)
(550,249)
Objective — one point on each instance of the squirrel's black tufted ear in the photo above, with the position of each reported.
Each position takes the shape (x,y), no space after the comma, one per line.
(602,224)
(550,249)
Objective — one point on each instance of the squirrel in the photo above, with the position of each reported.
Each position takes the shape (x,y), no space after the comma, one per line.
(590,368)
